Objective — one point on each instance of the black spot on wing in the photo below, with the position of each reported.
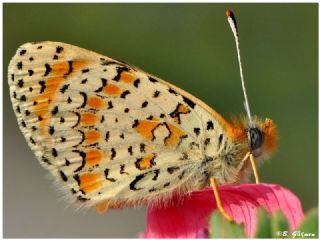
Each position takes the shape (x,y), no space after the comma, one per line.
(172,91)
(167,184)
(70,68)
(153,80)
(142,148)
(64,88)
(119,71)
(20,83)
(85,98)
(54,152)
(113,153)
(106,174)
(220,139)
(107,136)
(104,83)
(55,110)
(189,102)
(135,123)
(59,49)
(130,150)
(83,160)
(172,169)
(156,174)
(30,71)
(122,169)
(63,176)
(48,69)
(19,65)
(156,94)
(45,160)
(136,83)
(144,104)
(207,141)
(110,105)
(196,131)
(23,98)
(132,185)
(209,125)
(125,93)
(22,52)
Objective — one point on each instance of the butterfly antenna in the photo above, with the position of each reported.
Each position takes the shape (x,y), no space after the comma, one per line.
(233,25)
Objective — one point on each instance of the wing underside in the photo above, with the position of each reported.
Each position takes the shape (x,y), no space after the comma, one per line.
(104,129)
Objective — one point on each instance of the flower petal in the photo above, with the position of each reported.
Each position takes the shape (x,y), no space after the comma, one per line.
(187,216)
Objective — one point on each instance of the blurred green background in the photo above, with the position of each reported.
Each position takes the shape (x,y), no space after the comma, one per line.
(191,46)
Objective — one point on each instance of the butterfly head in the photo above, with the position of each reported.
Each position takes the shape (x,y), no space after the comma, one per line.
(262,138)
(260,135)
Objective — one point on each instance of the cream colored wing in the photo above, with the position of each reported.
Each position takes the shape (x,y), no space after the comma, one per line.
(107,131)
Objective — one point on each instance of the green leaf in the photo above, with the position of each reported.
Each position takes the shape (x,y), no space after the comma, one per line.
(309,227)
(263,224)
(279,225)
(222,228)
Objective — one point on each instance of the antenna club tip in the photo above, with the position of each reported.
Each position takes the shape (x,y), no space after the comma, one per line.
(229,13)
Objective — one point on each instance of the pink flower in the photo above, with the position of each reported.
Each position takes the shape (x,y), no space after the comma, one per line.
(188,216)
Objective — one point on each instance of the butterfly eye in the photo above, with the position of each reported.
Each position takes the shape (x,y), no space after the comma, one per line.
(256,138)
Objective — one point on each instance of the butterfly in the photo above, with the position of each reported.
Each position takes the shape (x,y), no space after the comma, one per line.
(114,136)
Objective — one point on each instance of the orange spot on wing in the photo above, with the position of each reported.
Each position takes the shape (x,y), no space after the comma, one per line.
(52,84)
(183,109)
(145,128)
(90,182)
(112,89)
(88,118)
(175,135)
(77,65)
(146,162)
(93,157)
(60,69)
(95,102)
(91,137)
(42,103)
(63,68)
(127,77)
(102,207)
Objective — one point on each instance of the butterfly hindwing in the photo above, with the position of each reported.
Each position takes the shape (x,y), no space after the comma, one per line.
(105,129)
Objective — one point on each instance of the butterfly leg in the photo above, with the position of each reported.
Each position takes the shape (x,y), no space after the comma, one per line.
(218,200)
(254,168)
